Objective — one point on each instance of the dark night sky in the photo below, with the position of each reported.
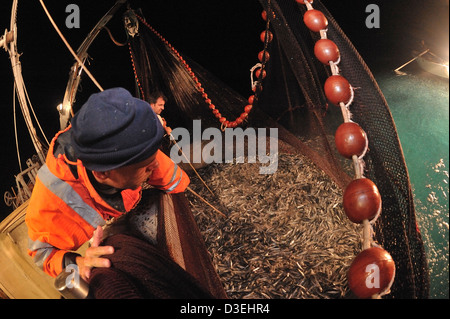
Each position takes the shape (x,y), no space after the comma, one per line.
(223,36)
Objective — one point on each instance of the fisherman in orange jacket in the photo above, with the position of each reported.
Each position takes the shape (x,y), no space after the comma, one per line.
(93,172)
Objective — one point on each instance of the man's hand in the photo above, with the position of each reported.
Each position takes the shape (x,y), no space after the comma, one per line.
(92,257)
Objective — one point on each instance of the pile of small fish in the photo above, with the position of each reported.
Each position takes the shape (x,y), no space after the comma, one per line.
(286,234)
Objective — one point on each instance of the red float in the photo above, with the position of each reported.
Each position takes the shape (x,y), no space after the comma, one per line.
(232,124)
(315,20)
(350,139)
(258,73)
(371,272)
(269,36)
(266,56)
(326,50)
(362,200)
(337,89)
(243,116)
(303,1)
(264,15)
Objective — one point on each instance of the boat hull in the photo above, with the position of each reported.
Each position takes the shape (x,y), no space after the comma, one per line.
(438,69)
(20,278)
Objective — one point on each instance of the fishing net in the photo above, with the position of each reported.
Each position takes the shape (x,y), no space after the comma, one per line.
(291,99)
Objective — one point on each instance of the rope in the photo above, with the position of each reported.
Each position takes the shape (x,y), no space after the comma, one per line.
(138,82)
(112,38)
(69,47)
(192,166)
(15,126)
(206,202)
(35,117)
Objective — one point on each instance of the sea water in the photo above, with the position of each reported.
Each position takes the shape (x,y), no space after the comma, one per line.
(419,103)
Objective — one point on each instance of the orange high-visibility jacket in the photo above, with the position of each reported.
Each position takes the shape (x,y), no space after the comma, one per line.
(64,210)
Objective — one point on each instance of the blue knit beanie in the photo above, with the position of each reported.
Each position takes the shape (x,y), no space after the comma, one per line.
(114,129)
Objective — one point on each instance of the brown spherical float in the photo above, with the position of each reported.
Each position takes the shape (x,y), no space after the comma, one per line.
(362,200)
(350,139)
(371,272)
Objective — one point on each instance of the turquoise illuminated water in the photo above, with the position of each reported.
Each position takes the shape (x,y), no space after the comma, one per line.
(419,103)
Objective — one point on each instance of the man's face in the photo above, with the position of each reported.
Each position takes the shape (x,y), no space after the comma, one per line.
(158,107)
(131,176)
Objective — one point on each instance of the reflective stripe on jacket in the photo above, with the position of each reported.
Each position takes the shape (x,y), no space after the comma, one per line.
(64,210)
